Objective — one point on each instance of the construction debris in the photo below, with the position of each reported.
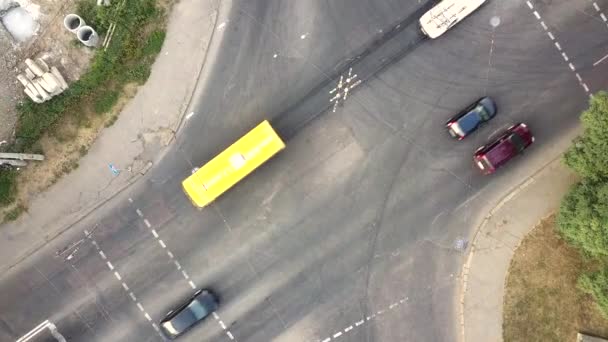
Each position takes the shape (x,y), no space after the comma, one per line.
(41,83)
(18,159)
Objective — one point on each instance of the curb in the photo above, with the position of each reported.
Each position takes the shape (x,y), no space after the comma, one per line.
(464,273)
(180,122)
(139,175)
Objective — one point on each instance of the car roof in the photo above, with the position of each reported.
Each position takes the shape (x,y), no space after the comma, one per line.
(500,150)
(469,121)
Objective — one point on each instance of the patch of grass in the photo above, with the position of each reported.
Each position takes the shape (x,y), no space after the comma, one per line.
(106,101)
(154,43)
(14,213)
(542,300)
(139,73)
(7,186)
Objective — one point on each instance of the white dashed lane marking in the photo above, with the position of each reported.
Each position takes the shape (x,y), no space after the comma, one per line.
(179,267)
(221,323)
(363,321)
(124,285)
(559,47)
(597,8)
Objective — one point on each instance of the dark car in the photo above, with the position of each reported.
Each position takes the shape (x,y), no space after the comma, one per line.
(470,118)
(511,143)
(181,319)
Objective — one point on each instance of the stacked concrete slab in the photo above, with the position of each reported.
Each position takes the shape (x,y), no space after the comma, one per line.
(41,83)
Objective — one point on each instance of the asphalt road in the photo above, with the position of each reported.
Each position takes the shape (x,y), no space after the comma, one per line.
(350,233)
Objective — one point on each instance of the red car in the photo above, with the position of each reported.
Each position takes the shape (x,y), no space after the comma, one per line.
(514,141)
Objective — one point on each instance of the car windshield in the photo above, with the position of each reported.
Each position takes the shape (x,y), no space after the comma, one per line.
(483,112)
(198,310)
(518,142)
(194,312)
(183,320)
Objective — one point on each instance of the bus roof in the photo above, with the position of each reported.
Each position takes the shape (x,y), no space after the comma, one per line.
(232,165)
(446,14)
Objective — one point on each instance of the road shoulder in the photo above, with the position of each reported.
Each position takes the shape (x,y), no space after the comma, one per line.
(484,271)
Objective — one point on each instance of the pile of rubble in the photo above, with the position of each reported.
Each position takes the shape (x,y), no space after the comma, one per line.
(41,82)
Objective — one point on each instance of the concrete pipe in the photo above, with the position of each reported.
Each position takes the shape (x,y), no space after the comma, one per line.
(73,22)
(87,36)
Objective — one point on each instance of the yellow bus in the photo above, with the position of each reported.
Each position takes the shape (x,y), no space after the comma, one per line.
(232,165)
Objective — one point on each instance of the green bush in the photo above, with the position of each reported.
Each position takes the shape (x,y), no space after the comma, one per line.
(583,217)
(588,155)
(596,284)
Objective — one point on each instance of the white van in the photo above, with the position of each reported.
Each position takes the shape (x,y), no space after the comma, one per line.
(446,14)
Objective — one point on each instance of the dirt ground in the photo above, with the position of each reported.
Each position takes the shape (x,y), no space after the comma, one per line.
(52,42)
(542,302)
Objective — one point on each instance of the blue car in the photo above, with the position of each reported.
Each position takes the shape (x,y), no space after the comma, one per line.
(184,317)
(470,118)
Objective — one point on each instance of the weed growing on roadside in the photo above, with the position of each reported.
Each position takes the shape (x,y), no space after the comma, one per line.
(14,213)
(7,186)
